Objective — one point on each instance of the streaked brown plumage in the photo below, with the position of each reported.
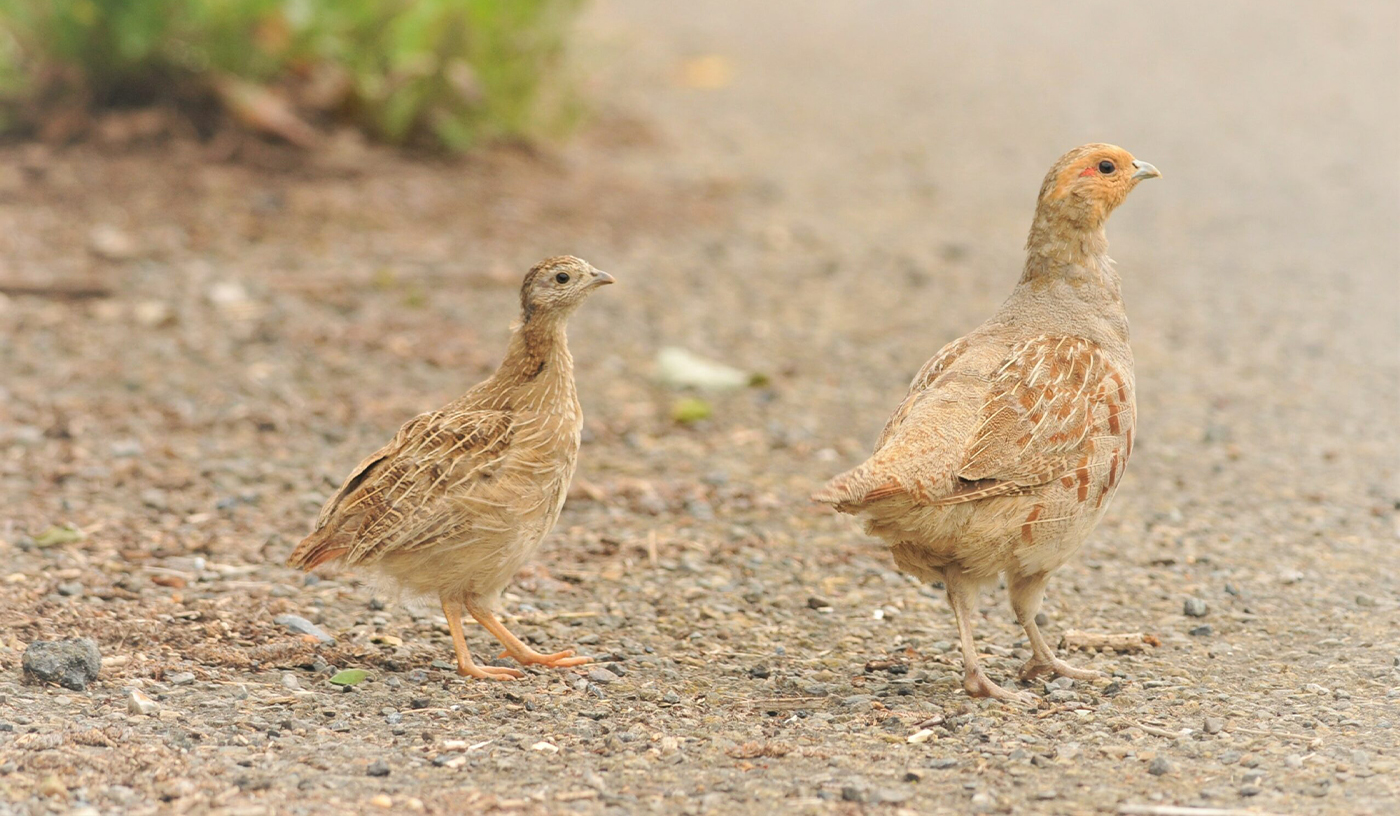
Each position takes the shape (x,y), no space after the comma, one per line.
(1012,439)
(460,499)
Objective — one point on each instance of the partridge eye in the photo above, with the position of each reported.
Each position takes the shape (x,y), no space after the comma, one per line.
(562,277)
(1106,167)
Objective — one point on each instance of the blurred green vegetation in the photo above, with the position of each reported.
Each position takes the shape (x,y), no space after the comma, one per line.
(444,72)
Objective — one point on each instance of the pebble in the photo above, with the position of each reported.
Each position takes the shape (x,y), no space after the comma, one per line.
(377,768)
(982,802)
(602,676)
(382,801)
(1250,790)
(290,682)
(1214,725)
(70,663)
(1159,766)
(181,679)
(1202,631)
(921,736)
(138,703)
(942,763)
(1195,608)
(302,626)
(70,589)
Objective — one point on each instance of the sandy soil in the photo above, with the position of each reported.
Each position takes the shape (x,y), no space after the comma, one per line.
(813,191)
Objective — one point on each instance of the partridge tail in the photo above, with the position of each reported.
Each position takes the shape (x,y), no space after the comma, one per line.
(858,487)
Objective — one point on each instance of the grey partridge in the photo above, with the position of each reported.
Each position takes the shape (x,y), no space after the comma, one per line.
(460,499)
(1012,440)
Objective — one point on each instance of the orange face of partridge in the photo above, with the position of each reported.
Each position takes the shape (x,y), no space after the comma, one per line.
(1087,183)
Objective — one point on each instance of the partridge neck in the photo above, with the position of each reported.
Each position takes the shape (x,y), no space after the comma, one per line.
(1061,244)
(537,359)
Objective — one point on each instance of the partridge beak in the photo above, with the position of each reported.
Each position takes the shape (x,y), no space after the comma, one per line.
(601,278)
(1145,171)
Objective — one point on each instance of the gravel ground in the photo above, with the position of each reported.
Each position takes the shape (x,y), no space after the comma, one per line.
(811,191)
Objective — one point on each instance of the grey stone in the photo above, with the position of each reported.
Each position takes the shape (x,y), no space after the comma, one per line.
(602,676)
(70,663)
(1214,725)
(1160,766)
(1195,608)
(70,589)
(181,679)
(302,626)
(378,768)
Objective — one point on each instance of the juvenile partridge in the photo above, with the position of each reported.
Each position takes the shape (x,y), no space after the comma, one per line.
(460,499)
(1012,439)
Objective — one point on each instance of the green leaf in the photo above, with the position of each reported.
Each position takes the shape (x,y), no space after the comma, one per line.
(691,409)
(54,536)
(349,677)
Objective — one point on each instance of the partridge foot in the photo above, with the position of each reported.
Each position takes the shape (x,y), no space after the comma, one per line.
(978,685)
(489,672)
(1036,666)
(558,660)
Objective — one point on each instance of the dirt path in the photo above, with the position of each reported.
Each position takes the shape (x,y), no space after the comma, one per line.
(811,191)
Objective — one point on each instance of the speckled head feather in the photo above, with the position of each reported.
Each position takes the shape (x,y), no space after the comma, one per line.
(1087,183)
(543,288)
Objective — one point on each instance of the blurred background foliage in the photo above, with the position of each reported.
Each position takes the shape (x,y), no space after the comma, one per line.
(445,73)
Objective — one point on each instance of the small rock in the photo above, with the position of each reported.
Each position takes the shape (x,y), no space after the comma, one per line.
(942,763)
(921,736)
(818,603)
(852,793)
(290,682)
(70,589)
(602,676)
(302,626)
(1159,766)
(107,241)
(1202,631)
(1214,725)
(138,703)
(70,663)
(377,768)
(891,796)
(914,775)
(1194,608)
(982,802)
(1250,790)
(382,801)
(1041,619)
(1365,600)
(181,679)
(53,787)
(545,747)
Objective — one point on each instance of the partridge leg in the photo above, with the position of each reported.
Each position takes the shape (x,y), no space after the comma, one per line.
(465,665)
(517,649)
(1026,595)
(962,593)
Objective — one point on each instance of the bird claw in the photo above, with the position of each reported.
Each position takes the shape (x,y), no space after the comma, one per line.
(490,672)
(1035,667)
(558,660)
(979,686)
